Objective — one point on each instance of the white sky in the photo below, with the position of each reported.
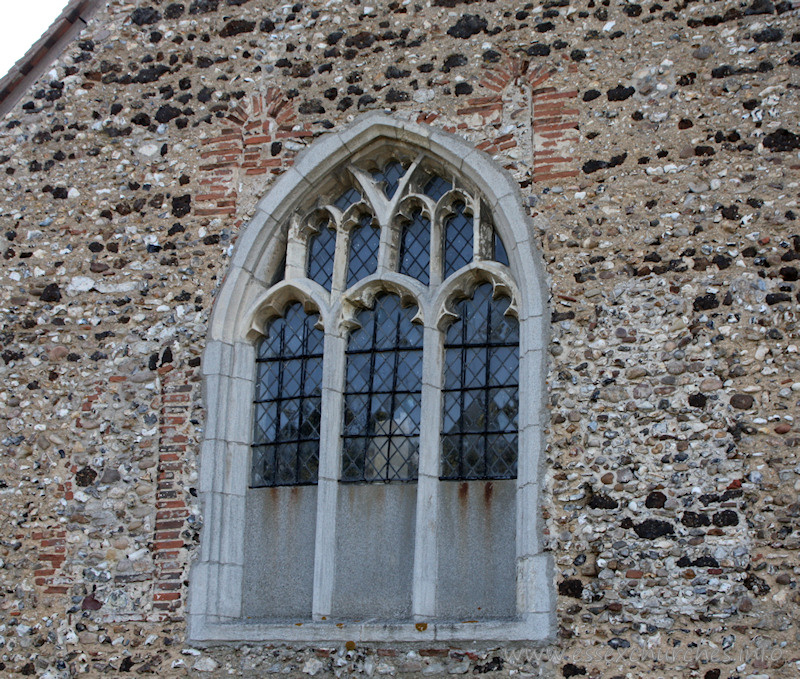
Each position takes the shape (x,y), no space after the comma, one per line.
(22,23)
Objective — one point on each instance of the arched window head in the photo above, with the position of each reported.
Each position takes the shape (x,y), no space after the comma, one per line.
(372,449)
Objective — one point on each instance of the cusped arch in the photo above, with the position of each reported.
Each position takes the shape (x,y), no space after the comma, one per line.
(363,295)
(272,303)
(463,283)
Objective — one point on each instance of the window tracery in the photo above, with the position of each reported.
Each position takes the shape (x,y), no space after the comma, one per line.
(384,353)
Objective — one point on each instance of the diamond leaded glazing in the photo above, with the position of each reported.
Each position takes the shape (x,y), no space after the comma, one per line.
(481,385)
(415,249)
(286,420)
(390,177)
(436,187)
(348,198)
(383,395)
(384,356)
(457,240)
(365,240)
(321,248)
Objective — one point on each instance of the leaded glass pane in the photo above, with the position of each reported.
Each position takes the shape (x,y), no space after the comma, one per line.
(473,411)
(267,387)
(409,365)
(355,414)
(383,395)
(415,256)
(292,377)
(287,457)
(451,420)
(353,456)
(364,243)
(452,368)
(358,372)
(500,254)
(308,460)
(310,411)
(451,455)
(457,240)
(286,419)
(501,409)
(348,198)
(501,455)
(390,176)
(312,385)
(473,371)
(503,366)
(437,187)
(263,467)
(504,330)
(481,391)
(472,457)
(265,420)
(321,249)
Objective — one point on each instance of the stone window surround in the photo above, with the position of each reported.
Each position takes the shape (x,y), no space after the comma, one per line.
(246,300)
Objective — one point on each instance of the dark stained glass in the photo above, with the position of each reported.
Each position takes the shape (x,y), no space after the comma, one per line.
(437,187)
(321,249)
(287,402)
(415,255)
(457,240)
(390,176)
(383,395)
(481,391)
(364,243)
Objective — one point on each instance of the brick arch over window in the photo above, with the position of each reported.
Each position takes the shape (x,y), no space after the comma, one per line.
(250,144)
(273,244)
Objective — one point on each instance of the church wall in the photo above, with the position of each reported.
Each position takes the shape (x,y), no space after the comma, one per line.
(657,149)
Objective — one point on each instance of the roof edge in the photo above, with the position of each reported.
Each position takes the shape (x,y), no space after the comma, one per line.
(45,51)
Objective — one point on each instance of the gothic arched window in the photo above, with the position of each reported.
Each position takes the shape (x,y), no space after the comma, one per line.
(384,314)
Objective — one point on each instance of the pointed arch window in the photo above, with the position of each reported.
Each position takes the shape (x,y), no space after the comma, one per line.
(392,445)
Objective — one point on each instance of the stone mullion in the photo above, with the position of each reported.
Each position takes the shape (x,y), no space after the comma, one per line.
(340,261)
(426,563)
(328,476)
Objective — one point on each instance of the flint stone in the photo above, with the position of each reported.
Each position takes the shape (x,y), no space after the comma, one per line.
(742,401)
